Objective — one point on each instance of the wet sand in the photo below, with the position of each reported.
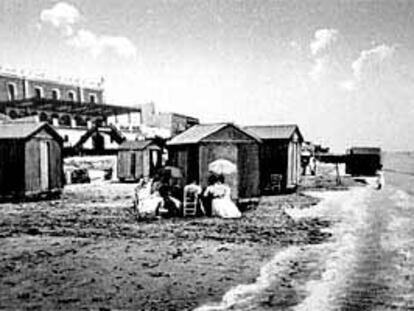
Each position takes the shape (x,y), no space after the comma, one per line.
(86,251)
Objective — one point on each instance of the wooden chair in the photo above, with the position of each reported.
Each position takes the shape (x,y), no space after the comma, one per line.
(275,183)
(191,200)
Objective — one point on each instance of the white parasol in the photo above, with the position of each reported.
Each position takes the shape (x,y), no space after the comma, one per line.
(222,166)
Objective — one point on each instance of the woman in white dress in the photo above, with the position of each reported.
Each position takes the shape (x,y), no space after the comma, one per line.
(222,205)
(147,199)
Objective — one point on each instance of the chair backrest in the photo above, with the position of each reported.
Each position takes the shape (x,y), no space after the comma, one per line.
(276,181)
(190,201)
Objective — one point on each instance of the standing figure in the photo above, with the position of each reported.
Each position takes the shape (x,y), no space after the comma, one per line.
(380,178)
(312,166)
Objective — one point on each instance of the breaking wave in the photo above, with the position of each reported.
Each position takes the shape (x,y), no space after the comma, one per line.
(243,296)
(340,254)
(324,293)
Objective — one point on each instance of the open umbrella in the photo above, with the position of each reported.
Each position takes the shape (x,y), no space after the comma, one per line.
(222,166)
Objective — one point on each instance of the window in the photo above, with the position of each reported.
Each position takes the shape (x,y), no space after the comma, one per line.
(11,88)
(38,92)
(55,94)
(99,122)
(65,120)
(43,117)
(92,98)
(80,121)
(72,96)
(13,114)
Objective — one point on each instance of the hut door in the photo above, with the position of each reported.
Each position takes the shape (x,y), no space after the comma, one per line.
(290,181)
(44,165)
(133,164)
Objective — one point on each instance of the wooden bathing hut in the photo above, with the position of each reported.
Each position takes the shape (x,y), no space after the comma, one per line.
(30,160)
(363,161)
(280,157)
(193,150)
(137,159)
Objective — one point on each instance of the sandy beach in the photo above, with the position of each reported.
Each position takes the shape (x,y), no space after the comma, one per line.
(86,251)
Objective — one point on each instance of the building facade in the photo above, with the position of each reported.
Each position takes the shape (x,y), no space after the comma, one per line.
(169,124)
(17,87)
(72,109)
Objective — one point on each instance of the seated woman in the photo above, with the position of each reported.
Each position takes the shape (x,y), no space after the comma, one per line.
(221,204)
(147,200)
(169,206)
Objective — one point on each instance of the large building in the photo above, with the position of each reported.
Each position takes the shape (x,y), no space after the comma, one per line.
(79,114)
(76,110)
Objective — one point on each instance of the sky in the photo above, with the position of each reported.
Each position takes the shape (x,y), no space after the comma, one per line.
(342,70)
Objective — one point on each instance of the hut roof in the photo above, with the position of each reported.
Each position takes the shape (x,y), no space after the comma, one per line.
(17,130)
(136,145)
(275,131)
(198,132)
(365,150)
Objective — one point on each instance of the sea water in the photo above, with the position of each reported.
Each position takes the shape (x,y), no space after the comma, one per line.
(367,264)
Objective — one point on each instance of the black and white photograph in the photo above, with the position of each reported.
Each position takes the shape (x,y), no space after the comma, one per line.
(207,155)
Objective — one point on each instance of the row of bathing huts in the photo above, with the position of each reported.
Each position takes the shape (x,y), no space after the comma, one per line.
(267,158)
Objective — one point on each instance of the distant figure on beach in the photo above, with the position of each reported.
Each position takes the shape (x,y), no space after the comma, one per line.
(312,166)
(380,178)
(221,204)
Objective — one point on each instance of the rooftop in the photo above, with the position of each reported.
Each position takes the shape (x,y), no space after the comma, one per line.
(200,131)
(14,130)
(284,131)
(135,144)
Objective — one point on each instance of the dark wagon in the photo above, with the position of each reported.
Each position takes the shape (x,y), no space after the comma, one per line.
(363,161)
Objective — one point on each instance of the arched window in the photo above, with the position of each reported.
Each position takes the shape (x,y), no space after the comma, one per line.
(92,98)
(12,91)
(55,94)
(72,96)
(99,122)
(80,121)
(38,91)
(64,120)
(43,117)
(13,114)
